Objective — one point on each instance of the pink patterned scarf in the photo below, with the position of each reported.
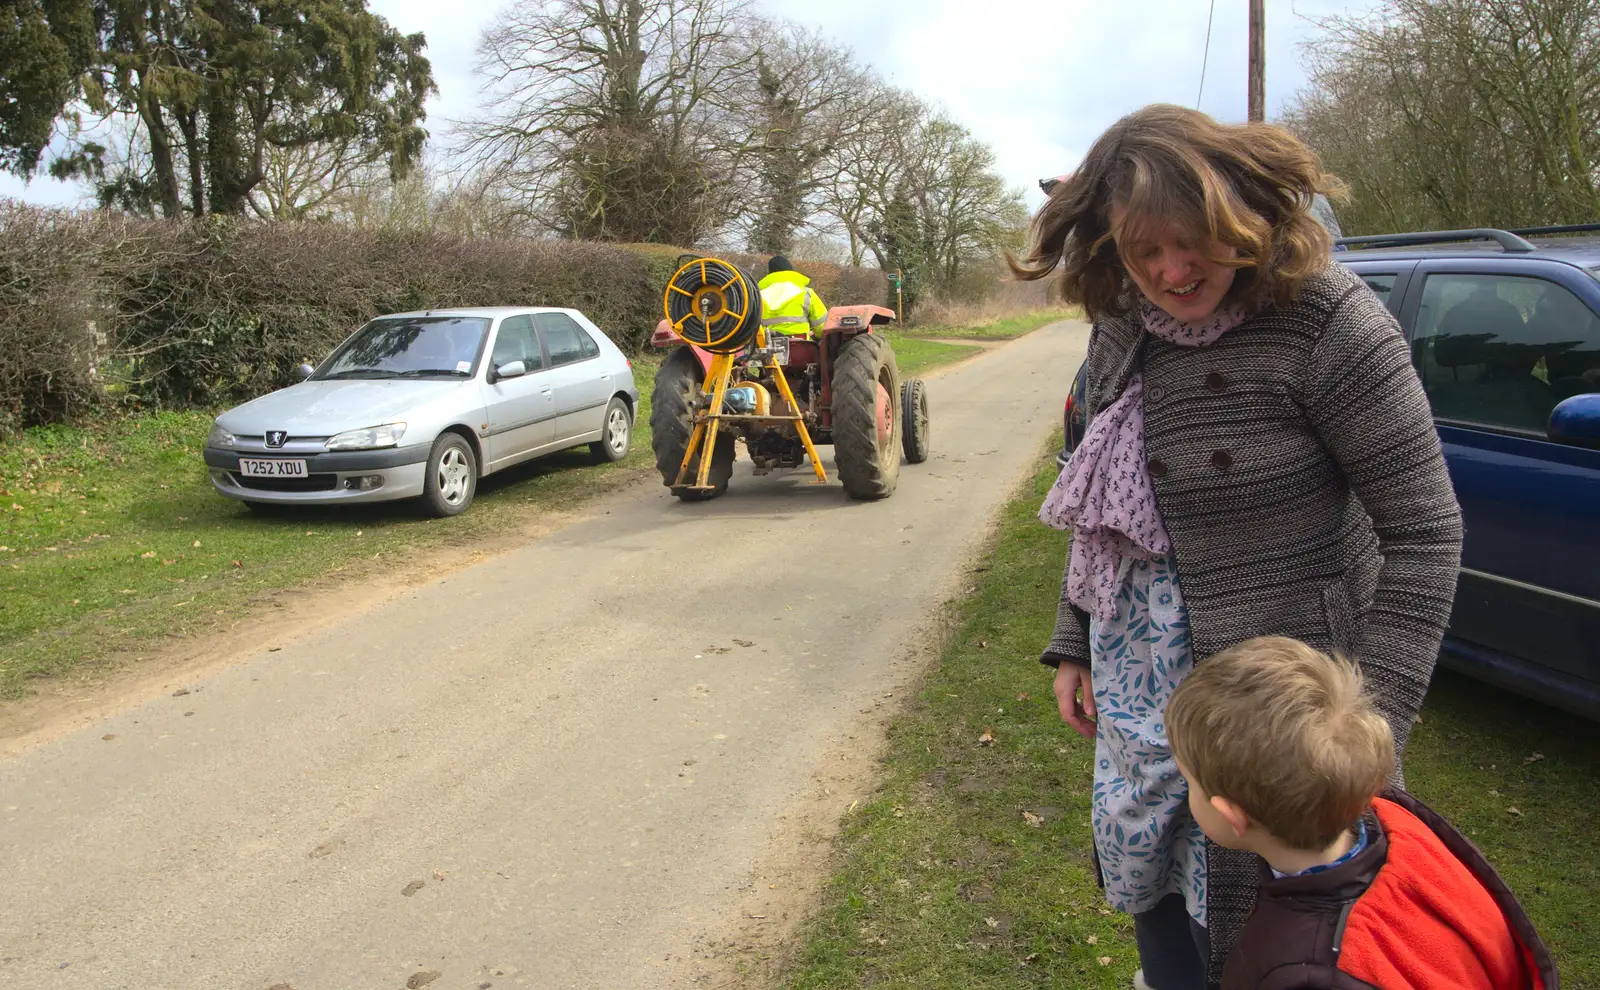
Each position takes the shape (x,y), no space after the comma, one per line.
(1104,495)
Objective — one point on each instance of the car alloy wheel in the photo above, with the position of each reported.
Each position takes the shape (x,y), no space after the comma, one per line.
(617,431)
(455,476)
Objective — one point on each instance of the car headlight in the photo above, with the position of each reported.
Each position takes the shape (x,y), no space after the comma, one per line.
(218,437)
(369,438)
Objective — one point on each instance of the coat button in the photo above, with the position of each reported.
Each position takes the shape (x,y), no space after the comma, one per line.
(1222,460)
(1216,382)
(1158,468)
(1156,393)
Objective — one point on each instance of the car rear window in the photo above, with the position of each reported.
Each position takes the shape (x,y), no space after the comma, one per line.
(1381,285)
(565,340)
(1502,350)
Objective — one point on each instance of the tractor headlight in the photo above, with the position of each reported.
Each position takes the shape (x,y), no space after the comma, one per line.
(370,438)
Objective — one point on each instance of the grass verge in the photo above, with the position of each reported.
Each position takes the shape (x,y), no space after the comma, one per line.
(1006,328)
(917,356)
(971,866)
(112,538)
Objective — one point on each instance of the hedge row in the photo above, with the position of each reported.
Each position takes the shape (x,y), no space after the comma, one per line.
(95,306)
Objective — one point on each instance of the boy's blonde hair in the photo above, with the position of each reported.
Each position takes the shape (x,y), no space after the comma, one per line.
(1287,733)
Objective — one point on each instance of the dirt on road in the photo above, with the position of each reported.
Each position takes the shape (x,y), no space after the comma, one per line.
(611,757)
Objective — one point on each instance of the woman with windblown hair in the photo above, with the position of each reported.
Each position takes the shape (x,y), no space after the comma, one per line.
(1260,459)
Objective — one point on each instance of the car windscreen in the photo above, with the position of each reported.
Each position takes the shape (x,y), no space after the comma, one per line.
(410,347)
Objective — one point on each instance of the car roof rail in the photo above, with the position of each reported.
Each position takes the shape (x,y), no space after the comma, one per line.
(1505,238)
(1567,228)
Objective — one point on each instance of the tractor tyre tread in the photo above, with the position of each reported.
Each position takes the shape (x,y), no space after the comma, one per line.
(914,419)
(867,471)
(678,380)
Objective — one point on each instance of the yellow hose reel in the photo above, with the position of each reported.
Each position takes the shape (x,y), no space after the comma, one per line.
(714,305)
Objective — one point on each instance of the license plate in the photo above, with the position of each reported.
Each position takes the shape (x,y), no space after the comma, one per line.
(271,469)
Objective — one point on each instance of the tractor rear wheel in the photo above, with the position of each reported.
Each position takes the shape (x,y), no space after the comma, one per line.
(914,419)
(866,417)
(679,382)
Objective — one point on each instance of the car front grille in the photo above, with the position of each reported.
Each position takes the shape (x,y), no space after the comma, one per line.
(310,483)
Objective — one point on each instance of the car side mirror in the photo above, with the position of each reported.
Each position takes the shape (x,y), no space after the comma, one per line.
(516,369)
(305,371)
(1577,421)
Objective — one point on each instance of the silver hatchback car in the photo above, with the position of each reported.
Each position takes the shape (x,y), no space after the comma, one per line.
(421,405)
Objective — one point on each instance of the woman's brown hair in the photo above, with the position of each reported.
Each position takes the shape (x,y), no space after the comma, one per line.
(1248,187)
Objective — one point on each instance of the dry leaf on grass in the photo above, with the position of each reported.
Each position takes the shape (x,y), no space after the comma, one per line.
(1104,960)
(1032,819)
(987,739)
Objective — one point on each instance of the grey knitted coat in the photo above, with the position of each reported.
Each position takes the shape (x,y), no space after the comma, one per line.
(1302,485)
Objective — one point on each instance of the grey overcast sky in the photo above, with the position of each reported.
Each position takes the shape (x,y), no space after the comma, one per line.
(1038,81)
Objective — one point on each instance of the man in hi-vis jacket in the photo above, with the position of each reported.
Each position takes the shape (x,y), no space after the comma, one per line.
(788,303)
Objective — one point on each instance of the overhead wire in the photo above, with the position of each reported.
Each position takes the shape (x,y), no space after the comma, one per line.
(1206,59)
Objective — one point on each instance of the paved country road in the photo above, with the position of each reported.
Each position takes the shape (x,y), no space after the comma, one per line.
(568,766)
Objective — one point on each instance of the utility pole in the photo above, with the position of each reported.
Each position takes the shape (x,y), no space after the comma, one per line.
(1258,60)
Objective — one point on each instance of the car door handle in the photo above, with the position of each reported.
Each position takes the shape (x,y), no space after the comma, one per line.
(545,390)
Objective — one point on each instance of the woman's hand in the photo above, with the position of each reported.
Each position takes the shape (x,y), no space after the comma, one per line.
(1075,698)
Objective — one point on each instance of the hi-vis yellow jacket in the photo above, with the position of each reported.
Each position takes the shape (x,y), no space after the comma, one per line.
(789,305)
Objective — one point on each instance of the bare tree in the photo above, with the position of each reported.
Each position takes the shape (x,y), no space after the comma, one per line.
(608,117)
(964,208)
(304,182)
(429,198)
(1459,113)
(809,101)
(917,193)
(868,164)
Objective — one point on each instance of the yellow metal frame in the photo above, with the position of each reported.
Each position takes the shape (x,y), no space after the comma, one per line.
(706,424)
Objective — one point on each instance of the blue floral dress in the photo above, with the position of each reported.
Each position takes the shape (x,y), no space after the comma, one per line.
(1148,844)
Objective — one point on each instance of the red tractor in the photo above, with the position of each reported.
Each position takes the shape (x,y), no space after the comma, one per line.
(783,395)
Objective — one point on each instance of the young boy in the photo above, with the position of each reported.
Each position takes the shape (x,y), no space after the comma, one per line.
(1286,757)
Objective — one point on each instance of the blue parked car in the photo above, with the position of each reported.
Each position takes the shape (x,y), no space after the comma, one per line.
(1505,335)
